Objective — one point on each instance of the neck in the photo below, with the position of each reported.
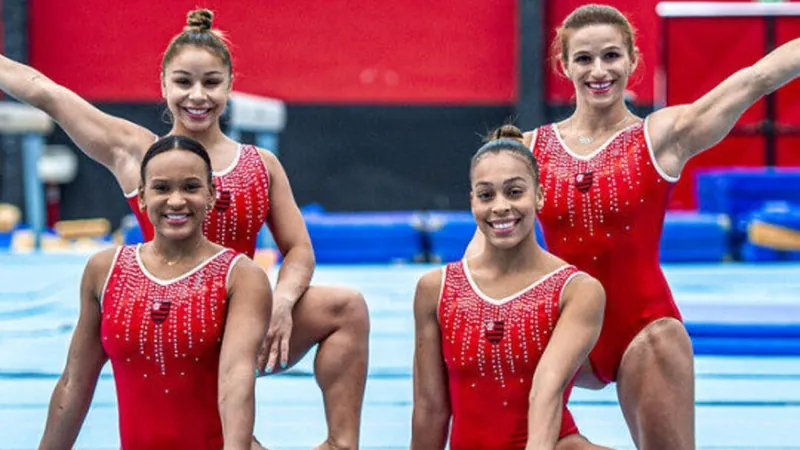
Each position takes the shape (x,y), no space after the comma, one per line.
(518,258)
(210,137)
(590,120)
(172,251)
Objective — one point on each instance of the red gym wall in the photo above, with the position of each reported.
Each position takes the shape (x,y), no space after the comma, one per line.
(305,51)
(415,52)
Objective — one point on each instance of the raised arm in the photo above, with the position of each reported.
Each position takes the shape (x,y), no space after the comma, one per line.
(250,304)
(681,132)
(116,143)
(431,410)
(74,390)
(576,331)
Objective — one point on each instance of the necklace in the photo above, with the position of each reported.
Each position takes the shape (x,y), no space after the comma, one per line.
(177,260)
(586,140)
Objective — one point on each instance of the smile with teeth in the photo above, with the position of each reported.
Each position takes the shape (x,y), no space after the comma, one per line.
(600,86)
(177,219)
(504,225)
(199,112)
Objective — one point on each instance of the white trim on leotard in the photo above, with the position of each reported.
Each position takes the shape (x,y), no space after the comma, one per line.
(652,154)
(506,299)
(163,282)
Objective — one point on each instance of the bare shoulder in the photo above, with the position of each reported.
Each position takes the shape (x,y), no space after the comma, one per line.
(246,273)
(102,260)
(270,160)
(98,266)
(429,286)
(430,282)
(585,289)
(661,126)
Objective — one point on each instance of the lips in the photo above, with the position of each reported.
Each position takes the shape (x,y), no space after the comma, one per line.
(504,226)
(599,87)
(176,219)
(197,113)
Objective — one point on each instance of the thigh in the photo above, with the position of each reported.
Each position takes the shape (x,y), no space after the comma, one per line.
(577,442)
(655,385)
(321,311)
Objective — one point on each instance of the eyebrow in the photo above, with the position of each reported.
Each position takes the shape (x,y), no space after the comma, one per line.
(186,72)
(508,181)
(604,49)
(191,178)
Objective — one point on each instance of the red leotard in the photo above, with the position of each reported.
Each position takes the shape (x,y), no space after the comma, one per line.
(491,349)
(604,213)
(163,338)
(240,208)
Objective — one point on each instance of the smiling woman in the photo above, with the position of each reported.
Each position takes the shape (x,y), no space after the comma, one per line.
(180,318)
(501,334)
(250,189)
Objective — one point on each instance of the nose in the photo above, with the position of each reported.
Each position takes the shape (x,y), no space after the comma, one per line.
(598,69)
(176,200)
(501,207)
(196,92)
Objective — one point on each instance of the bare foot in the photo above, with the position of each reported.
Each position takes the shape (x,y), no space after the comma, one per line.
(329,445)
(255,445)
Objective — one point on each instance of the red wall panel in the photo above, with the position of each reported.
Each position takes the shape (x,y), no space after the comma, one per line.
(415,51)
(701,53)
(788,98)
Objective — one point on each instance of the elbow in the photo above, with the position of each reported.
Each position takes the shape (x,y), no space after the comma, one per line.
(236,386)
(430,416)
(43,96)
(544,396)
(301,253)
(762,82)
(548,387)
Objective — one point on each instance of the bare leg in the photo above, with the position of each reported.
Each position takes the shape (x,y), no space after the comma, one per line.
(336,319)
(655,385)
(587,379)
(577,442)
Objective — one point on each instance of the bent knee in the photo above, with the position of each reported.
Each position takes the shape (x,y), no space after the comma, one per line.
(350,308)
(665,337)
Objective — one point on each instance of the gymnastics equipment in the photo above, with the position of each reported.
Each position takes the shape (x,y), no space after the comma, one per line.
(32,124)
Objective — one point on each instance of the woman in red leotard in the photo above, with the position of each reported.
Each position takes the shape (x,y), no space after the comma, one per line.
(252,188)
(500,336)
(180,318)
(607,176)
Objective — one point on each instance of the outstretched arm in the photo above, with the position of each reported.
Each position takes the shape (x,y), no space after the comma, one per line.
(431,411)
(681,132)
(116,143)
(74,390)
(576,332)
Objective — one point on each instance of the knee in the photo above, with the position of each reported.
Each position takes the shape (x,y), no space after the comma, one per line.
(350,310)
(666,337)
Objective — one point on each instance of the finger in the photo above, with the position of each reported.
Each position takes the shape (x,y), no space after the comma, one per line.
(273,356)
(261,361)
(284,352)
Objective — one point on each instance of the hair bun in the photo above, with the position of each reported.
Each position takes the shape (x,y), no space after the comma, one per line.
(199,20)
(506,132)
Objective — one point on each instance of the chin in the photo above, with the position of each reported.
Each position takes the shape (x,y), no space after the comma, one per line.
(196,127)
(174,234)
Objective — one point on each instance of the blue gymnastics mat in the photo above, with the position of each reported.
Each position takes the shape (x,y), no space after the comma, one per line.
(746,395)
